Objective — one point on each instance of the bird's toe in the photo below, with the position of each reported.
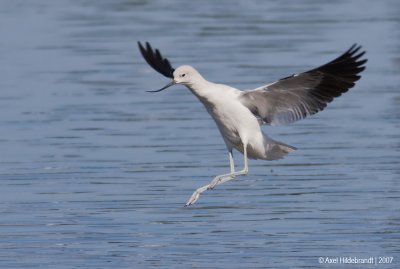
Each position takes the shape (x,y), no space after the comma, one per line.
(195,196)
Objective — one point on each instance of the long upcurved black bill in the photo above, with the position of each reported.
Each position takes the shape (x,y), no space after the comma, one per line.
(166,86)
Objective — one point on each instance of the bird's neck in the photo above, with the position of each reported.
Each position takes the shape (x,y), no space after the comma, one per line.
(201,87)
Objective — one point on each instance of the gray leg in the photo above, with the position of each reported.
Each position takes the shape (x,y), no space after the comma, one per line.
(221,178)
(231,162)
(224,178)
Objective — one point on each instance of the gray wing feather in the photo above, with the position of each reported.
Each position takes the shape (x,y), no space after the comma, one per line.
(295,97)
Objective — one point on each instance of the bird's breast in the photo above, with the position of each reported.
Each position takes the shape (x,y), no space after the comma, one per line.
(234,121)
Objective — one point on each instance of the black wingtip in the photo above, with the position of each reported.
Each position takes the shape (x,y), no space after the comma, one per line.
(154,58)
(354,48)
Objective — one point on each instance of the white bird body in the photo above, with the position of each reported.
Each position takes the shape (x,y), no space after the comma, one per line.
(236,123)
(240,114)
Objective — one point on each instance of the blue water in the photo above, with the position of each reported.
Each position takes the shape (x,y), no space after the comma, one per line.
(94,171)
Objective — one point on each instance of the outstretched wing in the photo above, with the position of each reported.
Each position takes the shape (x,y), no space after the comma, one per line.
(295,97)
(156,60)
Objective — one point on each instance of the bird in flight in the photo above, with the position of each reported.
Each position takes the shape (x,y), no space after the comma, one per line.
(240,114)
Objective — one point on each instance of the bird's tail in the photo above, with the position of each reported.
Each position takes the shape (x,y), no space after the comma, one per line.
(275,150)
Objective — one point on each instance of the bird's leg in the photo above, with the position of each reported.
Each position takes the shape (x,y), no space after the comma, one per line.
(226,177)
(231,162)
(196,194)
(222,178)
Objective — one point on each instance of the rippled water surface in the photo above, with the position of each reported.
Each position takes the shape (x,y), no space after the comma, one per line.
(94,171)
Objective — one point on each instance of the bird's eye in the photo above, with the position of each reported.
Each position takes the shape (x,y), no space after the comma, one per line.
(183,75)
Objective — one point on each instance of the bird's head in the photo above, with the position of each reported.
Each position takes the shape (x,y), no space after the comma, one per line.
(185,75)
